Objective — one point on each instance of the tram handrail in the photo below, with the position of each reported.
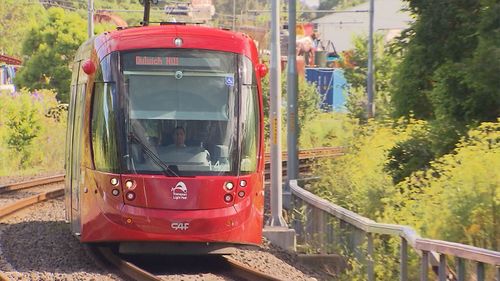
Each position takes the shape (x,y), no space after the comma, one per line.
(437,248)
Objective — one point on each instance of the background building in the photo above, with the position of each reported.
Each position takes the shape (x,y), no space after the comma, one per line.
(341,27)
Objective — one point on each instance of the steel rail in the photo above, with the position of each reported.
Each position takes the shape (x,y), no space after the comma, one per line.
(127,268)
(319,152)
(31,183)
(26,202)
(130,270)
(136,273)
(247,273)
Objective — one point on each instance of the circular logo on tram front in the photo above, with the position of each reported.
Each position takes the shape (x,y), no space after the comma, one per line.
(179,191)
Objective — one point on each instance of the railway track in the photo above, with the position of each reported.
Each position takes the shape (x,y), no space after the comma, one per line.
(234,269)
(27,201)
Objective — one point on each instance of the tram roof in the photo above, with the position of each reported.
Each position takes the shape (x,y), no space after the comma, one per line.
(163,36)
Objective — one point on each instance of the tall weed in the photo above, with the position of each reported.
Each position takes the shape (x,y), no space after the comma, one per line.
(458,198)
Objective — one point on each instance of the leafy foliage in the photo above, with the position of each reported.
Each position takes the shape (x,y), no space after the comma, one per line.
(410,155)
(327,129)
(358,180)
(49,51)
(27,134)
(16,20)
(307,104)
(446,70)
(462,187)
(384,63)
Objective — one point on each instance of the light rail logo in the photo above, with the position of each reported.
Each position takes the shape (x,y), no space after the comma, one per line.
(179,191)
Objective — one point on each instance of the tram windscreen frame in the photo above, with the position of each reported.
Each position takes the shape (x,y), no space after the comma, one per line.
(196,90)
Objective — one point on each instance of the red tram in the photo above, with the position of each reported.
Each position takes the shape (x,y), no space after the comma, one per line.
(165,140)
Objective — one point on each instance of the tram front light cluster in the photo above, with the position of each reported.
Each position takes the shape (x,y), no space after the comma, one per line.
(229,186)
(114,181)
(130,184)
(228,198)
(130,195)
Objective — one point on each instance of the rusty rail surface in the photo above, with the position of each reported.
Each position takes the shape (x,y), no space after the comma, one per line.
(23,203)
(107,256)
(31,183)
(319,152)
(247,273)
(131,271)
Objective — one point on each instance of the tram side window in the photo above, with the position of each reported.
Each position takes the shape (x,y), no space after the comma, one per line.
(105,150)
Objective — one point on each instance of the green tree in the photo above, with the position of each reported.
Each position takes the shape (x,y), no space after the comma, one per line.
(450,55)
(49,51)
(307,104)
(446,73)
(443,34)
(16,19)
(483,103)
(384,64)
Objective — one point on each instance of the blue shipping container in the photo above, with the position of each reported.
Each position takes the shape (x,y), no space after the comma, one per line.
(331,83)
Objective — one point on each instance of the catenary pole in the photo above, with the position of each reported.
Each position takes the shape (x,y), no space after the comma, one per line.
(90,18)
(275,118)
(292,85)
(370,110)
(234,15)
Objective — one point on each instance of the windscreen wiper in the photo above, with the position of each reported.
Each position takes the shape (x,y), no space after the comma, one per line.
(166,169)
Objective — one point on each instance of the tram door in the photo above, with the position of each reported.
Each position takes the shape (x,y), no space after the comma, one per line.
(75,148)
(76,165)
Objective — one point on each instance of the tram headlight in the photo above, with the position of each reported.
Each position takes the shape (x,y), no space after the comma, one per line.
(114,181)
(241,194)
(130,184)
(130,196)
(229,185)
(243,183)
(115,192)
(228,198)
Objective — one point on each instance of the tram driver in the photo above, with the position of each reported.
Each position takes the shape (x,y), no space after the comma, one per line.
(179,153)
(179,136)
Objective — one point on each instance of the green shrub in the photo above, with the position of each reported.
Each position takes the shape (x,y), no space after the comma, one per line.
(358,180)
(457,198)
(409,156)
(30,140)
(327,129)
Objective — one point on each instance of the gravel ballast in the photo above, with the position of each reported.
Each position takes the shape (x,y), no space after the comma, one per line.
(36,244)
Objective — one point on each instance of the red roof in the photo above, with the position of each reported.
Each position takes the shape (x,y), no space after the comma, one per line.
(10,60)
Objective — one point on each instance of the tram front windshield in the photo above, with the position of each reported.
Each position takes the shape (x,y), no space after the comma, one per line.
(182,113)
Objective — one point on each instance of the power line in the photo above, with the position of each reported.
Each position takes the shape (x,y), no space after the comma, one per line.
(314,11)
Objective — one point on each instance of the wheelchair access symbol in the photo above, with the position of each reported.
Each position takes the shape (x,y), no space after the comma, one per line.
(229,81)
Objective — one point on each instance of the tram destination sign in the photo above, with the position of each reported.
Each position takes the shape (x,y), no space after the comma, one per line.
(176,61)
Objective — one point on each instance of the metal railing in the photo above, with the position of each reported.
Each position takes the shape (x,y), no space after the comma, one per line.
(327,228)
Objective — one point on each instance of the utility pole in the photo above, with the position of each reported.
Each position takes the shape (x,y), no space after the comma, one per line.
(292,85)
(234,15)
(275,116)
(90,18)
(370,110)
(147,10)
